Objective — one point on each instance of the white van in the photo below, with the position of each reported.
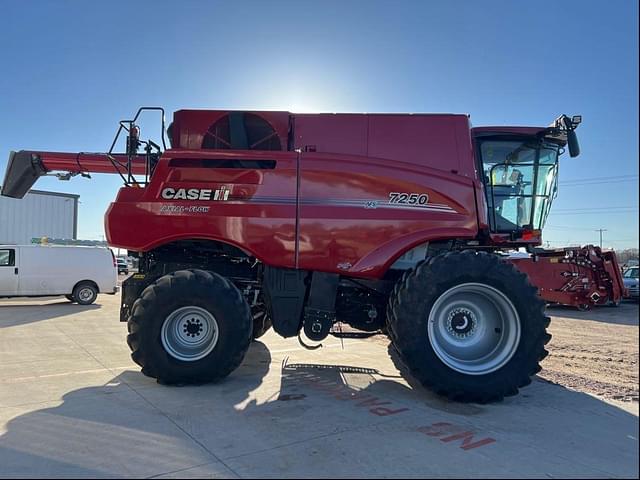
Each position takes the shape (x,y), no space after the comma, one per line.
(78,273)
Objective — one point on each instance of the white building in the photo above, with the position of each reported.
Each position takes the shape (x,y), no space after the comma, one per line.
(38,214)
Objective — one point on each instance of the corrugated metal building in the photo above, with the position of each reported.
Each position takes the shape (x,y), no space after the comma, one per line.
(38,214)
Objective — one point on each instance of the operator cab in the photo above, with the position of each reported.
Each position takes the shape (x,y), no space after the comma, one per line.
(520,177)
(519,169)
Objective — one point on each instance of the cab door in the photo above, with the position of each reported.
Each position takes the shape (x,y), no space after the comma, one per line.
(8,271)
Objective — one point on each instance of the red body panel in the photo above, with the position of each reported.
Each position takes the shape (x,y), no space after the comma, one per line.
(575,276)
(439,141)
(322,202)
(346,223)
(379,154)
(340,234)
(263,228)
(336,234)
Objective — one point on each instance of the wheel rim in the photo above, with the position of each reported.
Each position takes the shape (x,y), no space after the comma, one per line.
(85,294)
(474,328)
(189,333)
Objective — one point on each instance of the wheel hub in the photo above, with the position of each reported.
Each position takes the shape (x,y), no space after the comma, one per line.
(189,333)
(474,328)
(193,327)
(461,322)
(85,294)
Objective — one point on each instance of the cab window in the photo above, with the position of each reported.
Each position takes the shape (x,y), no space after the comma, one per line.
(520,176)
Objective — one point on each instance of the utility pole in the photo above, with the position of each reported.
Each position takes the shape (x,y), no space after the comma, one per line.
(601,230)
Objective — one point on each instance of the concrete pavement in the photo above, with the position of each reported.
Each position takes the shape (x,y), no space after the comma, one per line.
(72,404)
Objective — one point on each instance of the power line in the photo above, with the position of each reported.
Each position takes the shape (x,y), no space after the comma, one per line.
(596,213)
(564,242)
(557,227)
(601,179)
(622,240)
(593,210)
(602,182)
(597,208)
(612,178)
(567,228)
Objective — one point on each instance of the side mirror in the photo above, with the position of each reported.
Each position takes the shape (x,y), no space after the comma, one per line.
(572,143)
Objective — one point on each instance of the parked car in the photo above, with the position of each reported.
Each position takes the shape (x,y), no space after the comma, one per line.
(631,282)
(123,266)
(78,273)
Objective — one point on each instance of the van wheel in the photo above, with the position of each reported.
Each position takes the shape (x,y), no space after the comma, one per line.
(85,293)
(189,327)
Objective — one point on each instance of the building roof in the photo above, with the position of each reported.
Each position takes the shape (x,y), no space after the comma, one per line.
(53,194)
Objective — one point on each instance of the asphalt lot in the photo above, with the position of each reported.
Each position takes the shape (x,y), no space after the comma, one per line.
(72,404)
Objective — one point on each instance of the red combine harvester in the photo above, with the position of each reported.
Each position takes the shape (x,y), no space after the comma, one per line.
(577,276)
(299,221)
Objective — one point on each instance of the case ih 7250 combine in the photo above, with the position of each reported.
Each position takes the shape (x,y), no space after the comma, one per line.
(253,219)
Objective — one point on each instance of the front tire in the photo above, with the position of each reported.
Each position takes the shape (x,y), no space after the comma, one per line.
(469,326)
(189,327)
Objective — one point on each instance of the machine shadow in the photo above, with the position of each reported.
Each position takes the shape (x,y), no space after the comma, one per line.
(125,427)
(13,313)
(132,426)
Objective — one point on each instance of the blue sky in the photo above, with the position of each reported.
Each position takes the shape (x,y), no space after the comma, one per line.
(72,69)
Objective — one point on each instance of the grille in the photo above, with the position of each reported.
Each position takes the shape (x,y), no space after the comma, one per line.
(256,134)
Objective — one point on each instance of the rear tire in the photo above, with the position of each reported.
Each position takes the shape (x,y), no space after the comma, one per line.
(189,327)
(85,293)
(469,326)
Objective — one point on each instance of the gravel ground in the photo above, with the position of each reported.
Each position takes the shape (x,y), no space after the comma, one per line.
(595,352)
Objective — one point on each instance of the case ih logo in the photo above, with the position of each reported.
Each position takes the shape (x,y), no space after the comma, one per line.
(221,193)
